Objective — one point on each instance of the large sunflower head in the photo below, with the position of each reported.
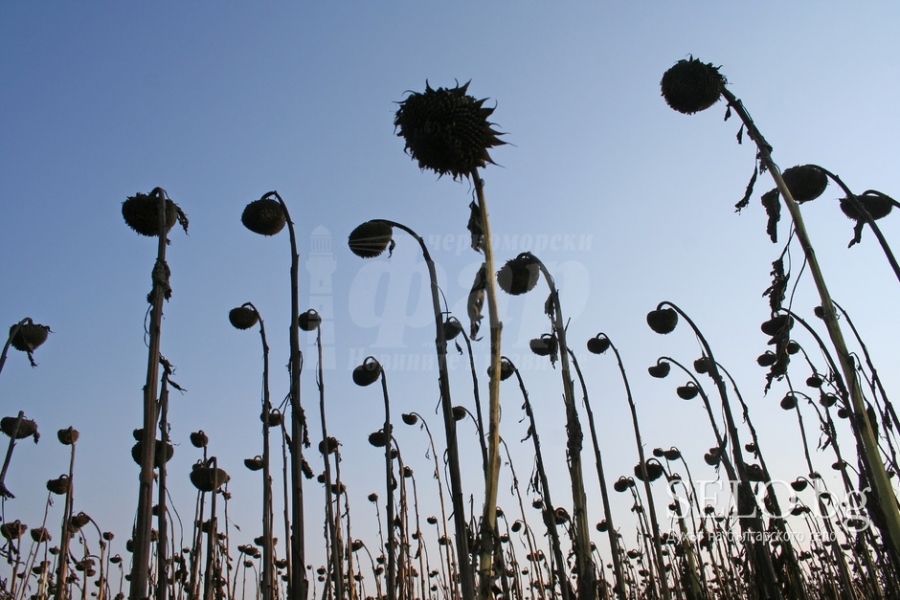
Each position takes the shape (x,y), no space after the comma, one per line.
(446,130)
(690,86)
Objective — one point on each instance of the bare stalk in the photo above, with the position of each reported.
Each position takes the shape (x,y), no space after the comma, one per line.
(140,570)
(492,479)
(885,495)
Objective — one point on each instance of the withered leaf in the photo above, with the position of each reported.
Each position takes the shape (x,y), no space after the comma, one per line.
(748,192)
(772,204)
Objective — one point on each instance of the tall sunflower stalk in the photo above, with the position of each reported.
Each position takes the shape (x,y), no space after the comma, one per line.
(691,86)
(369,240)
(268,216)
(447,131)
(519,276)
(151,215)
(245,317)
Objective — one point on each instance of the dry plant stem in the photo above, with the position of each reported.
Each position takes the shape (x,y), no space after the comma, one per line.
(841,564)
(268,552)
(876,380)
(298,586)
(492,480)
(336,573)
(5,493)
(657,548)
(547,511)
(62,573)
(750,521)
(209,589)
(140,569)
(870,453)
(456,491)
(162,586)
(389,475)
(771,500)
(584,566)
(447,550)
(479,417)
(539,584)
(621,589)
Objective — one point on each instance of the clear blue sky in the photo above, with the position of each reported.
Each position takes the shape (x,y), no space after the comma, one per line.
(628,202)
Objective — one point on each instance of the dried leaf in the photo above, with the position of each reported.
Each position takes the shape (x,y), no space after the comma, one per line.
(476,301)
(857,233)
(728,112)
(772,204)
(740,134)
(550,306)
(475,227)
(749,191)
(528,434)
(776,292)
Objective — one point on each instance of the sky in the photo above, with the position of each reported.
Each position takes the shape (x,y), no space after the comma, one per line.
(627,202)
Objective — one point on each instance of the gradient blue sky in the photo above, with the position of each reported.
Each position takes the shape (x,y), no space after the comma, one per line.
(628,202)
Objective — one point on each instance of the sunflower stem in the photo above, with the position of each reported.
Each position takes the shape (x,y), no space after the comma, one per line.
(456,490)
(887,499)
(140,570)
(492,479)
(298,587)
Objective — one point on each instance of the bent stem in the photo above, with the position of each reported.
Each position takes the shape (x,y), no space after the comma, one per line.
(298,586)
(657,548)
(886,497)
(456,491)
(548,509)
(587,578)
(749,515)
(336,573)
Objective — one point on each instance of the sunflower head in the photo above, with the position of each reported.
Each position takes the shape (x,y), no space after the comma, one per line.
(264,216)
(446,130)
(519,275)
(690,86)
(805,182)
(371,239)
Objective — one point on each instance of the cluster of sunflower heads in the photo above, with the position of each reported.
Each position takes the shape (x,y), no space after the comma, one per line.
(690,85)
(447,131)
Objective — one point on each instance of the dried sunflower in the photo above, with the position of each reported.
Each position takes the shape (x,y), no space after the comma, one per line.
(519,275)
(141,213)
(264,216)
(690,86)
(446,130)
(805,182)
(29,336)
(371,239)
(243,317)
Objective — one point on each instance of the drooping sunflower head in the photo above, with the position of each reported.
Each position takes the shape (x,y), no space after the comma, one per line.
(690,86)
(446,130)
(805,182)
